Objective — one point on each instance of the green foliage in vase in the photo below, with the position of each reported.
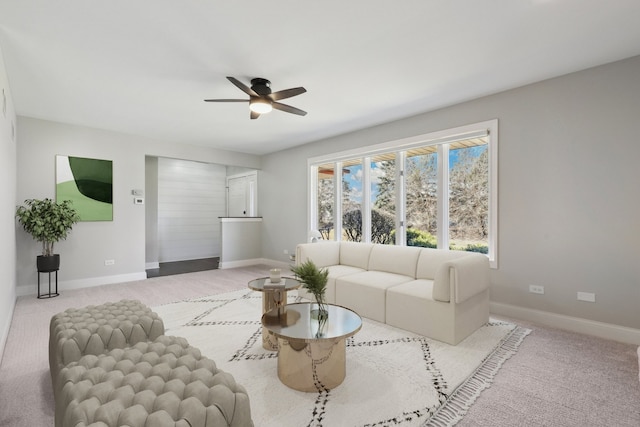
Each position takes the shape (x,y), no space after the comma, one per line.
(47,221)
(312,278)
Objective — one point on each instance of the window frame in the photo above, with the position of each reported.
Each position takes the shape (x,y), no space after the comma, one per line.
(399,147)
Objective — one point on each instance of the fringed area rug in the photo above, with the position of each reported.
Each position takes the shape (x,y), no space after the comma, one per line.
(394,377)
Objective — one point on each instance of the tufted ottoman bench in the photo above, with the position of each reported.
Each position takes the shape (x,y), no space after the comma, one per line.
(162,383)
(98,329)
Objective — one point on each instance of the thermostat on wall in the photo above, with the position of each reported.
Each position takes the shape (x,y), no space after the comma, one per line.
(138,200)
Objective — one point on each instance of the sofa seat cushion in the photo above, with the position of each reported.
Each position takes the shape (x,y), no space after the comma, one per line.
(411,306)
(365,292)
(419,288)
(160,383)
(335,271)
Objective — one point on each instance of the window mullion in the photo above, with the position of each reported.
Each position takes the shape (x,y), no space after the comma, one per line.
(443,197)
(313,199)
(337,214)
(401,199)
(366,199)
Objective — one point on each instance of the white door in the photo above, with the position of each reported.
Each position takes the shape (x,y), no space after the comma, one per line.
(237,196)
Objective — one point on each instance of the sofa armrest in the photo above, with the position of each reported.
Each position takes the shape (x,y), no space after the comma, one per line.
(459,279)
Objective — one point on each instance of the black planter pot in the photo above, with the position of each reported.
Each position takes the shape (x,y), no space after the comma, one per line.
(47,264)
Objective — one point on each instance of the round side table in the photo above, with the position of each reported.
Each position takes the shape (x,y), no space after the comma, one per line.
(273,295)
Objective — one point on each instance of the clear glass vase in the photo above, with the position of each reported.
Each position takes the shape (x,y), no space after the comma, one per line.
(319,316)
(320,312)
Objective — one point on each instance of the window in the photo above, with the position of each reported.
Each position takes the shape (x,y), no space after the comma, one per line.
(352,200)
(325,202)
(382,178)
(421,180)
(469,195)
(436,190)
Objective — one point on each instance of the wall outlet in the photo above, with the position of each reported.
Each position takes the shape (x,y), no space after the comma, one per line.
(534,289)
(586,296)
(109,261)
(286,251)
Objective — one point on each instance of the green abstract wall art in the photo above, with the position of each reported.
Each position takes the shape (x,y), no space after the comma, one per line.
(88,183)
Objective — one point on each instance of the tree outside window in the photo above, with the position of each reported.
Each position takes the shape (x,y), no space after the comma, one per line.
(462,219)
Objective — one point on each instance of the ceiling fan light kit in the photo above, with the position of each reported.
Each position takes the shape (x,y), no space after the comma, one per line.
(262,100)
(260,105)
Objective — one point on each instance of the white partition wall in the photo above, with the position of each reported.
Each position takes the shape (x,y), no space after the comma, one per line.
(191,198)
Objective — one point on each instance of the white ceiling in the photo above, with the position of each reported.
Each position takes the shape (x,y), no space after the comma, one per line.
(143,67)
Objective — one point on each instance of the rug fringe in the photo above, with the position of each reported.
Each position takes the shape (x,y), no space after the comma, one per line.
(456,407)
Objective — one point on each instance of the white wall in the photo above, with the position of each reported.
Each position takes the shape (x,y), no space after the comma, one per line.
(569,170)
(191,198)
(568,193)
(8,136)
(91,243)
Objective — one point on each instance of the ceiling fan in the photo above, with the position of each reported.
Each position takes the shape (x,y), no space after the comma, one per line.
(262,100)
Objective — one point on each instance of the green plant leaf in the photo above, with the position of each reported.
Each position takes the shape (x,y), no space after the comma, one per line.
(312,278)
(47,221)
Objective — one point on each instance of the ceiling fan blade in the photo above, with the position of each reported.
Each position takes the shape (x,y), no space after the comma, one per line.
(254,115)
(287,93)
(226,100)
(246,89)
(288,109)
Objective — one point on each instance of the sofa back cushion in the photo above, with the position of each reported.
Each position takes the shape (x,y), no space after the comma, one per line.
(394,259)
(431,259)
(323,254)
(355,254)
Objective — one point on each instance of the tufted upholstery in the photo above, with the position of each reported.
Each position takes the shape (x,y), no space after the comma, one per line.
(98,329)
(162,383)
(112,365)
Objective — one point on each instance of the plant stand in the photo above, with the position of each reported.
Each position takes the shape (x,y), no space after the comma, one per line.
(49,294)
(48,264)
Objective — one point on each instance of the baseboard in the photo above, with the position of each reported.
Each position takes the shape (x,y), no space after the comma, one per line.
(255,261)
(84,283)
(7,324)
(151,265)
(574,324)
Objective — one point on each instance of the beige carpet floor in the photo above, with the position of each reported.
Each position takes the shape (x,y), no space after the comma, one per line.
(557,378)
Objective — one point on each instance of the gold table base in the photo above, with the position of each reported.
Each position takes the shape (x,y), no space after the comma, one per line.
(312,366)
(271,298)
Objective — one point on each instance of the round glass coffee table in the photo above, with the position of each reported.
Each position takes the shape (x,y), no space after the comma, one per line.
(273,295)
(312,353)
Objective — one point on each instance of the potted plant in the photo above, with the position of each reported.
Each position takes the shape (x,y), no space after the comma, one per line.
(314,280)
(48,222)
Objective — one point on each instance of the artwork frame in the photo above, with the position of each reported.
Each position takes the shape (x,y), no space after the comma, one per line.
(88,183)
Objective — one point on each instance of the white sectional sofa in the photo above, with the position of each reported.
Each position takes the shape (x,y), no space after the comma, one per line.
(441,294)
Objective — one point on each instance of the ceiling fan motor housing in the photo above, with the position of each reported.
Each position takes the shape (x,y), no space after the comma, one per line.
(261,86)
